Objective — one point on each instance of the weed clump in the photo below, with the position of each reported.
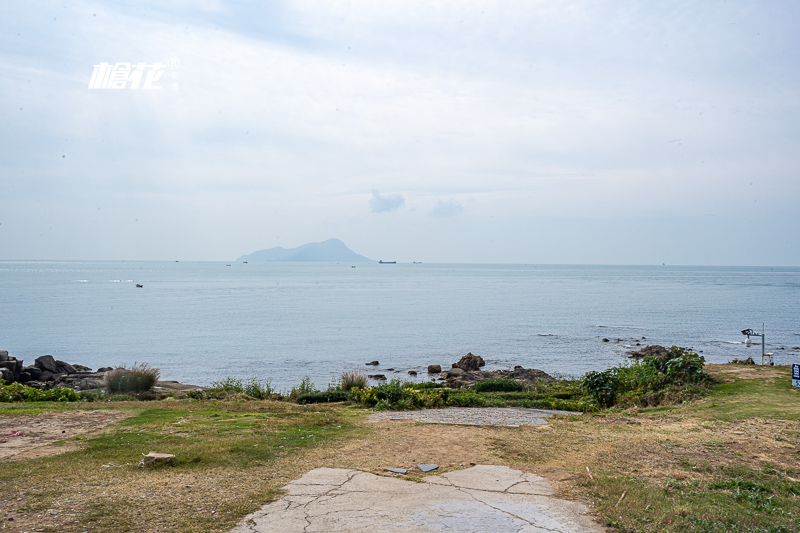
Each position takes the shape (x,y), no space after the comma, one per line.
(353,378)
(138,378)
(259,389)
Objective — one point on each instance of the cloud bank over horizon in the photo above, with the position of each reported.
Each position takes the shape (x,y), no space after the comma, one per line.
(528,132)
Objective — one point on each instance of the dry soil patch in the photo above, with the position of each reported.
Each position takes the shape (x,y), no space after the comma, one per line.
(26,437)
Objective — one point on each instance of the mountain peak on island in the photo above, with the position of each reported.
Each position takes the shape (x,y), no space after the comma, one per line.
(330,251)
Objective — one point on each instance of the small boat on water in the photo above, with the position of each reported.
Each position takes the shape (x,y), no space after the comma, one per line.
(139,285)
(382,262)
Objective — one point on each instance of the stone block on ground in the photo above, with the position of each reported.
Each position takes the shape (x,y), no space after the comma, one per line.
(156,459)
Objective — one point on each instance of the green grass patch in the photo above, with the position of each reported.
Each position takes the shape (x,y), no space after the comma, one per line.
(228,457)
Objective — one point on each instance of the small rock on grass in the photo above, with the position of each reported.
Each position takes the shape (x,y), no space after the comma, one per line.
(396,470)
(427,468)
(156,458)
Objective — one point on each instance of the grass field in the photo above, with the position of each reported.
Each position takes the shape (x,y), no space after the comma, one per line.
(726,463)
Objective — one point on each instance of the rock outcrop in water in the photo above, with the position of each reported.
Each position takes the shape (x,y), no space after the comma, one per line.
(470,362)
(652,350)
(459,379)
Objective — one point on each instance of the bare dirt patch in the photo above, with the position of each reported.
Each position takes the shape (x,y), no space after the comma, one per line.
(27,437)
(728,372)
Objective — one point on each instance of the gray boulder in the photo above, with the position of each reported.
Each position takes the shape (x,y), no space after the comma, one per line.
(47,362)
(434,369)
(470,362)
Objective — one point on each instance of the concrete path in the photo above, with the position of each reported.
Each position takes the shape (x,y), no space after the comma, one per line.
(483,498)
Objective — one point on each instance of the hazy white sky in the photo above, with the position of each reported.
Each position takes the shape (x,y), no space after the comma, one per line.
(524,132)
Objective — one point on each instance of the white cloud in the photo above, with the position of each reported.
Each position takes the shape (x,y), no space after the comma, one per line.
(446,209)
(287,113)
(382,203)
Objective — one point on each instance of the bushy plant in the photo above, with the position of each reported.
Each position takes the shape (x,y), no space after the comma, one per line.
(260,389)
(353,378)
(228,384)
(396,394)
(305,387)
(138,378)
(498,385)
(17,392)
(679,374)
(602,386)
(328,396)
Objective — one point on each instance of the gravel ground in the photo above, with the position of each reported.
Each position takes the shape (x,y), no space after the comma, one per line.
(473,416)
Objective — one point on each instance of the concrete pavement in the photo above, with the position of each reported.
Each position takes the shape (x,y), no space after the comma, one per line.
(484,498)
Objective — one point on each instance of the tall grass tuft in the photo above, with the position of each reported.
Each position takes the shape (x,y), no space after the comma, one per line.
(138,378)
(353,378)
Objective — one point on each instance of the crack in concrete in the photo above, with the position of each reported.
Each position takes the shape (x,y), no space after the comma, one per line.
(465,491)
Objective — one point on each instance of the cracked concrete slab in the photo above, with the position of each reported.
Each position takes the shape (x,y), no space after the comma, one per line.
(483,498)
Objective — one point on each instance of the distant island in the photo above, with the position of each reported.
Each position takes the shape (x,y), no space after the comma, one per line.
(330,251)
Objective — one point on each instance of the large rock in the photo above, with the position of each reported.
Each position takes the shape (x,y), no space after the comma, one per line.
(47,362)
(33,371)
(3,355)
(654,350)
(6,375)
(13,366)
(470,362)
(529,376)
(434,369)
(454,372)
(65,368)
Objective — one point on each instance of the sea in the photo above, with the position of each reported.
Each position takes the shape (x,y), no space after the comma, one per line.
(201,322)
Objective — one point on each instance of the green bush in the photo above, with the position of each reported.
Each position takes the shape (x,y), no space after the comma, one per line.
(305,387)
(138,378)
(17,392)
(328,396)
(260,389)
(229,384)
(498,385)
(676,376)
(602,386)
(429,385)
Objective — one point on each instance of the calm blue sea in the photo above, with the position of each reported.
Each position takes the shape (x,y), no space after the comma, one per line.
(202,321)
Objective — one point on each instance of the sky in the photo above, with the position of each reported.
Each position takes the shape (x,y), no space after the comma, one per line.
(568,132)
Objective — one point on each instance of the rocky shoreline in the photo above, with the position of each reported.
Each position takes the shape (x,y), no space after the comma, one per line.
(47,373)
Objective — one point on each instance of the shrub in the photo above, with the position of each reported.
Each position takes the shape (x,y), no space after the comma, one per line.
(305,387)
(258,388)
(17,392)
(353,378)
(229,384)
(429,385)
(602,386)
(138,378)
(498,385)
(678,375)
(748,361)
(324,397)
